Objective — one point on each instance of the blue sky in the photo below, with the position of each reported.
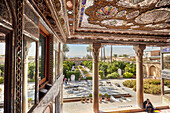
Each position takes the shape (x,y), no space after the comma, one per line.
(80,50)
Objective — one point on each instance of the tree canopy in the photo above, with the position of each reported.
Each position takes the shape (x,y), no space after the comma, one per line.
(65,48)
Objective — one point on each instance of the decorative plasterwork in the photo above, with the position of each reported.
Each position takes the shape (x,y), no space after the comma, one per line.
(70,8)
(128,15)
(5,12)
(58,6)
(46,9)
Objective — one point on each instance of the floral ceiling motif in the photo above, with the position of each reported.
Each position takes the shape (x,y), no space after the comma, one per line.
(130,14)
(153,16)
(106,12)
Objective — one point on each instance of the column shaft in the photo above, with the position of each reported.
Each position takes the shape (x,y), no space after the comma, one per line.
(139,74)
(96,49)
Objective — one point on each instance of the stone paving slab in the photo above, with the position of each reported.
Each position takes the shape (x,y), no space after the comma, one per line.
(84,88)
(78,107)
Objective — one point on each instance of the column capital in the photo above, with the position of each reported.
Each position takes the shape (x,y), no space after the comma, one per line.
(139,49)
(96,49)
(96,45)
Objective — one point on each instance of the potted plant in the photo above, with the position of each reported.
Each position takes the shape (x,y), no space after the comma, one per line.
(81,99)
(85,99)
(100,96)
(90,97)
(109,97)
(29,102)
(106,95)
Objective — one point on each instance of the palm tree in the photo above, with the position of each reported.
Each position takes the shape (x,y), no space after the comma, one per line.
(89,49)
(111,54)
(65,49)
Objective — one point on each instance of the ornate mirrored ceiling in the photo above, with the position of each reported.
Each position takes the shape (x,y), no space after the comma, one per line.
(140,16)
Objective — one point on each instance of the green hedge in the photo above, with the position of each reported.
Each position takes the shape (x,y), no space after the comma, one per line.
(88,78)
(31,80)
(129,83)
(76,73)
(101,74)
(151,86)
(167,82)
(113,75)
(1,80)
(127,75)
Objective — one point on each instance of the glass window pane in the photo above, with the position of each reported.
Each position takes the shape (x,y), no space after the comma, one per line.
(29,69)
(2,73)
(167,87)
(54,65)
(42,51)
(166,61)
(61,62)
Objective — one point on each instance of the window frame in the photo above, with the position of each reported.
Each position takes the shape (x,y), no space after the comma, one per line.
(36,62)
(45,34)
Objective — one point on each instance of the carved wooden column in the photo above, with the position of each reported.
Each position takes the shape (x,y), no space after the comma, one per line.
(162,79)
(19,55)
(139,74)
(96,49)
(111,54)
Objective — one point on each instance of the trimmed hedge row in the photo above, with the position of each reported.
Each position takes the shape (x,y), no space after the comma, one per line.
(150,86)
(1,80)
(113,75)
(127,75)
(76,73)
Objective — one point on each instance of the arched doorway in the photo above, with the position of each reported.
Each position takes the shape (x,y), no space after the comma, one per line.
(152,71)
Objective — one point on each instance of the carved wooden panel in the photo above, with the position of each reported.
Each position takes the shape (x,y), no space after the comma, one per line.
(4,11)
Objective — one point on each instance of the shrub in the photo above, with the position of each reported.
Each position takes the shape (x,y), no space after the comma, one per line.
(150,86)
(168,86)
(134,88)
(90,95)
(113,75)
(31,80)
(76,73)
(127,75)
(156,82)
(106,95)
(101,74)
(88,78)
(1,80)
(154,89)
(167,82)
(129,83)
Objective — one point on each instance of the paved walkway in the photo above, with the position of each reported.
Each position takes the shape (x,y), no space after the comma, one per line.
(78,107)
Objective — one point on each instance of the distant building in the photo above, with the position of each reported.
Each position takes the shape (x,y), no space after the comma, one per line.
(152,55)
(151,65)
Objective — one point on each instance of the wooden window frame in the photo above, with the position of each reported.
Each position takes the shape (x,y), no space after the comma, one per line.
(45,33)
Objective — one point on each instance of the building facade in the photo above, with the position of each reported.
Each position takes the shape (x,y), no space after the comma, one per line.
(33,38)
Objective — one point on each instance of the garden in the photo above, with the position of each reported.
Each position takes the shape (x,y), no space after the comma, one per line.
(151,86)
(109,70)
